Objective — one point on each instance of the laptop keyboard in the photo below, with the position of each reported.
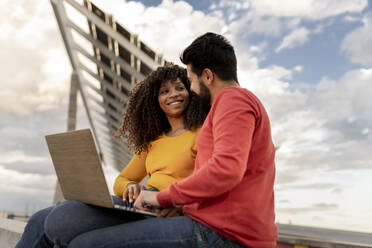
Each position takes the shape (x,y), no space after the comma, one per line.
(125,205)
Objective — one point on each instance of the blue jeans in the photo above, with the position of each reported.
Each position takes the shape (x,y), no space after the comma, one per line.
(71,218)
(175,232)
(58,225)
(33,235)
(75,224)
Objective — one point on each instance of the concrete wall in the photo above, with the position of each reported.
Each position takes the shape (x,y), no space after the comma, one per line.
(10,232)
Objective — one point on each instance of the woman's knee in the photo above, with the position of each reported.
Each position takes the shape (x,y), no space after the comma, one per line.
(34,229)
(36,222)
(60,221)
(71,218)
(38,218)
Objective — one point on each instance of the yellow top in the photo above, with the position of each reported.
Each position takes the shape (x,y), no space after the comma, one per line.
(169,159)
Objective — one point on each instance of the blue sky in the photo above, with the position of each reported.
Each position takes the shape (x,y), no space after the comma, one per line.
(309,61)
(326,61)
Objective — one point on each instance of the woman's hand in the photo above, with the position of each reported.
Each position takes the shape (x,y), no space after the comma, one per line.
(132,192)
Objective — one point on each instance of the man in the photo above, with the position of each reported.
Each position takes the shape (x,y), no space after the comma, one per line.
(228,201)
(231,189)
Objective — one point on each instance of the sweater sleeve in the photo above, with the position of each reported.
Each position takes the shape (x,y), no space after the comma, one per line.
(194,148)
(233,123)
(134,172)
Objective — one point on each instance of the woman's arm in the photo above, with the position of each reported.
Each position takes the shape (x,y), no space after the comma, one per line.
(134,172)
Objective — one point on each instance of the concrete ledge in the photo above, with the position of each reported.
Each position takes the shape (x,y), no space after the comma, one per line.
(10,232)
(323,237)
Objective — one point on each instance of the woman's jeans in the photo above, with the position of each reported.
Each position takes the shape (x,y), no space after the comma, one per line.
(60,224)
(75,224)
(33,235)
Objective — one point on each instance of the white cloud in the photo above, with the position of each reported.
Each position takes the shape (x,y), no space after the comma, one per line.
(266,81)
(227,4)
(366,131)
(251,22)
(320,27)
(310,9)
(20,156)
(272,18)
(22,181)
(349,18)
(19,190)
(357,45)
(272,86)
(346,97)
(29,56)
(296,38)
(24,21)
(31,73)
(325,204)
(258,48)
(317,133)
(293,23)
(298,68)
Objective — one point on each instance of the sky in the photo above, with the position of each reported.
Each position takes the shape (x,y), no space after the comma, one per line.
(309,61)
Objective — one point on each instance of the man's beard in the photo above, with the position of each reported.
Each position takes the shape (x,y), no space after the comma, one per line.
(204,98)
(204,93)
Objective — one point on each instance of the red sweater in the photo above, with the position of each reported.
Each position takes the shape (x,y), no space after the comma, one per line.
(231,188)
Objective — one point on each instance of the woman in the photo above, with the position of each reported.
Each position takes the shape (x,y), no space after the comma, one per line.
(161,121)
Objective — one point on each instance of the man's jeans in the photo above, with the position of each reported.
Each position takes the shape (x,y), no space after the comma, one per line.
(75,224)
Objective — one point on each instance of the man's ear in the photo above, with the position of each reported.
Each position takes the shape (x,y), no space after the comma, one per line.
(208,76)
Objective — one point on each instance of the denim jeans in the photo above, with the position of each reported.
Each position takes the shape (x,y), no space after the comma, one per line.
(33,235)
(71,218)
(175,232)
(56,226)
(75,224)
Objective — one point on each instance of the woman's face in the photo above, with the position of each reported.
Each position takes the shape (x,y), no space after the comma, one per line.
(173,98)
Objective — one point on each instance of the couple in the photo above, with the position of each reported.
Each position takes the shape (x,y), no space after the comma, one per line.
(226,200)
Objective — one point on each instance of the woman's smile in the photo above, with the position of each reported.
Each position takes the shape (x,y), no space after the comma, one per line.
(173,98)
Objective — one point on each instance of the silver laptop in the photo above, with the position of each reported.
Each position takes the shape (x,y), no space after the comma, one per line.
(79,171)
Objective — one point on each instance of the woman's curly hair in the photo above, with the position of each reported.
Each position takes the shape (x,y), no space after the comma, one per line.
(144,121)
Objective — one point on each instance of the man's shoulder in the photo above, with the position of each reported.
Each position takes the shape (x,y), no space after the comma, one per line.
(234,95)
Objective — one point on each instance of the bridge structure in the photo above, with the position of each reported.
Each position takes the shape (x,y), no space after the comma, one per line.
(106,60)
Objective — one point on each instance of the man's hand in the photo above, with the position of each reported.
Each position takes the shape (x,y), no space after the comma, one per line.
(132,192)
(169,212)
(147,200)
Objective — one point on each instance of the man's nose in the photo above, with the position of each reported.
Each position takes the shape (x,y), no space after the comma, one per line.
(194,88)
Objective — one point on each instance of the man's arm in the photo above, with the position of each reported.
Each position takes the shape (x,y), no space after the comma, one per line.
(233,127)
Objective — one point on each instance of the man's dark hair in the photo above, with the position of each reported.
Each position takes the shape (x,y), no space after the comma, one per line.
(212,51)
